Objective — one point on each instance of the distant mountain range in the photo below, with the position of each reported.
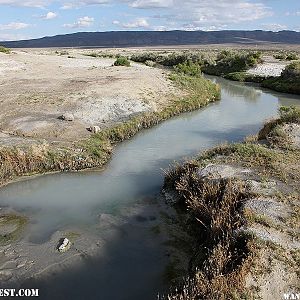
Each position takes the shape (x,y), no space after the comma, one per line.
(158,38)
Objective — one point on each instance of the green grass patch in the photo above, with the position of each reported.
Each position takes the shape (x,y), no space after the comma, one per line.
(5,50)
(282,85)
(245,77)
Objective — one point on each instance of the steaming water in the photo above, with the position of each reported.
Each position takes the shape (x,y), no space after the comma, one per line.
(133,264)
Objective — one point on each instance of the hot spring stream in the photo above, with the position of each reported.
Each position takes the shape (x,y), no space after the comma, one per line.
(133,259)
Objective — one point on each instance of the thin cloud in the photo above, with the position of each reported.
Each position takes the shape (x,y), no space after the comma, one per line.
(13,37)
(81,23)
(14,26)
(28,3)
(137,23)
(49,16)
(152,3)
(200,15)
(78,4)
(274,26)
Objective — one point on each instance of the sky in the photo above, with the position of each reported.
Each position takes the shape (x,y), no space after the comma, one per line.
(26,19)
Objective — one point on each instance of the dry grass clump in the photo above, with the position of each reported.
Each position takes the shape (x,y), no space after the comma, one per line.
(215,281)
(222,258)
(41,158)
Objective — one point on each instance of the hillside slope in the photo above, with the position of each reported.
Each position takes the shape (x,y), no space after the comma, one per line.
(157,38)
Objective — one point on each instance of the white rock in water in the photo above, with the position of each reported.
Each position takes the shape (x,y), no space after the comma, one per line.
(67,117)
(65,245)
(94,129)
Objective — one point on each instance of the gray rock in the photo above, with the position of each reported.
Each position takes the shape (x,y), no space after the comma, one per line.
(63,245)
(221,171)
(266,188)
(268,207)
(94,129)
(293,131)
(67,117)
(5,275)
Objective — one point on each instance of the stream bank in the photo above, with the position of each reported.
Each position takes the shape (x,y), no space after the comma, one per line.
(95,151)
(241,205)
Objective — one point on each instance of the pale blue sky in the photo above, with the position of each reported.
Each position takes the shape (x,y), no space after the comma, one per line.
(23,19)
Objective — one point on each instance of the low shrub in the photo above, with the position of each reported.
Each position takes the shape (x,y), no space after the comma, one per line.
(172,59)
(245,77)
(291,71)
(143,57)
(150,63)
(232,61)
(188,68)
(282,85)
(212,215)
(280,56)
(292,56)
(288,82)
(62,53)
(101,54)
(4,50)
(122,61)
(93,54)
(286,56)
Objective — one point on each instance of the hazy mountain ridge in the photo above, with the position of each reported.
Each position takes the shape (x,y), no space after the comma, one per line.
(157,38)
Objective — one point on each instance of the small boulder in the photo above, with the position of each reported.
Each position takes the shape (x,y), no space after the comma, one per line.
(217,171)
(67,117)
(63,245)
(94,129)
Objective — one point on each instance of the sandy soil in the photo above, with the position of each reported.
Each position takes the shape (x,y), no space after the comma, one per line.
(38,86)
